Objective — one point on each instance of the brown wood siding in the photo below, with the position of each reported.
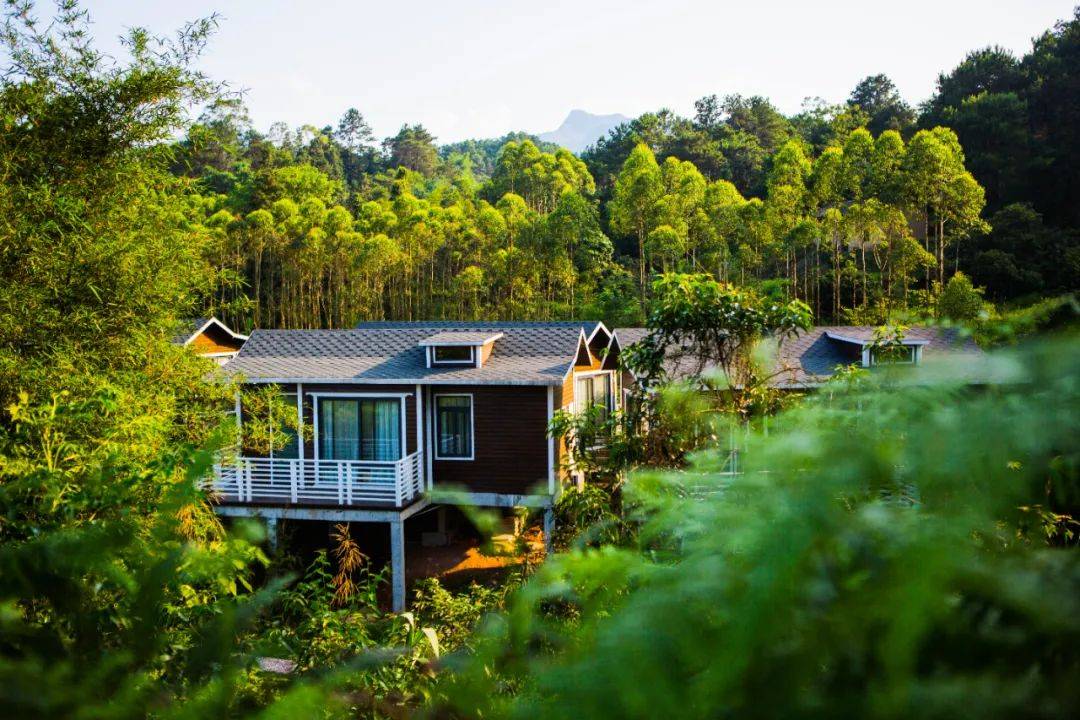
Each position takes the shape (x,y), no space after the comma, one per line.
(485,352)
(207,343)
(510,441)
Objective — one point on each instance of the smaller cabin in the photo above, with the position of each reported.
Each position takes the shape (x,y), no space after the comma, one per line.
(211,338)
(811,357)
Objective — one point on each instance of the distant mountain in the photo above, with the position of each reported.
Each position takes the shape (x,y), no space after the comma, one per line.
(581,129)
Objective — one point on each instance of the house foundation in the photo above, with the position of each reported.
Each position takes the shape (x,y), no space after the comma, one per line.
(394,519)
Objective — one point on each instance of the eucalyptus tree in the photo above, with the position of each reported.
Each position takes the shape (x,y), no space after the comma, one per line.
(633,205)
(788,205)
(540,178)
(939,188)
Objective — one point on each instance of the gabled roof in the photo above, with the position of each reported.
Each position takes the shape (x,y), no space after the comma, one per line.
(809,358)
(193,328)
(528,353)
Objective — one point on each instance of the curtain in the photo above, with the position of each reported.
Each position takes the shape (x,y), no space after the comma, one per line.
(339,430)
(385,430)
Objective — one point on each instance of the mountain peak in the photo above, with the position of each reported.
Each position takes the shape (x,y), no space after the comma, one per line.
(581,129)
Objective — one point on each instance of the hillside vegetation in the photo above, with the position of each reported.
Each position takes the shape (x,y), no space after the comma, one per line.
(890,550)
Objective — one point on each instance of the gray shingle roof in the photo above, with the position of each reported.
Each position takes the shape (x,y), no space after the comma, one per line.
(811,357)
(479,325)
(527,354)
(461,337)
(629,336)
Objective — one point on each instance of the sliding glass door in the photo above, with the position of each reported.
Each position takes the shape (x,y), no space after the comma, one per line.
(360,429)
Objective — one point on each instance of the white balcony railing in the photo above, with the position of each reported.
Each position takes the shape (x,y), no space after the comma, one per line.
(320,482)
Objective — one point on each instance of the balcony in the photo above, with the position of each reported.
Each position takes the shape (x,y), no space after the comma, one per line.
(326,483)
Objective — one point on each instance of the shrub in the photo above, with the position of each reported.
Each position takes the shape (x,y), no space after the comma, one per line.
(960,300)
(889,551)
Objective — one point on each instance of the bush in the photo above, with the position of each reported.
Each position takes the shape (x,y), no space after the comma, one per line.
(960,300)
(889,551)
(589,516)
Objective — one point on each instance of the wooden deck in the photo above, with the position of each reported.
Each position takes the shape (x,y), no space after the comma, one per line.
(320,483)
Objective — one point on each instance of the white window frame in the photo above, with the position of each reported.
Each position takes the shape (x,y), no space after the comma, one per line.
(916,353)
(316,398)
(612,394)
(432,362)
(435,426)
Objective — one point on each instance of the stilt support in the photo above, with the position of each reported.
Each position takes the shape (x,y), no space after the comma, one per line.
(272,534)
(549,528)
(397,563)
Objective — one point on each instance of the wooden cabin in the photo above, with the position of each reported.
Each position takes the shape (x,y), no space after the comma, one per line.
(404,415)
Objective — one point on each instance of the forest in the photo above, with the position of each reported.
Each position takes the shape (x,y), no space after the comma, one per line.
(864,209)
(887,549)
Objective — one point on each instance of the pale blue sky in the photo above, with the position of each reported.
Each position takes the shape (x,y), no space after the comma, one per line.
(480,69)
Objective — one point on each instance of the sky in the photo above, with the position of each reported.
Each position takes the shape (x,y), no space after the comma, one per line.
(472,68)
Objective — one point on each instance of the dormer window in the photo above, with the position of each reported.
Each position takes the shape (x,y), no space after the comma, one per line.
(452,355)
(894,355)
(460,348)
(872,352)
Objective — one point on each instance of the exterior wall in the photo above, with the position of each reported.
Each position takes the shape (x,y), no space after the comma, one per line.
(510,444)
(566,399)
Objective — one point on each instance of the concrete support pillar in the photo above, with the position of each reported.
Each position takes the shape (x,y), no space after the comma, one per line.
(272,534)
(397,563)
(549,528)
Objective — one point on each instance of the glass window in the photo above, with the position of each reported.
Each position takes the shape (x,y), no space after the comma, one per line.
(291,449)
(893,355)
(456,354)
(360,429)
(594,390)
(453,426)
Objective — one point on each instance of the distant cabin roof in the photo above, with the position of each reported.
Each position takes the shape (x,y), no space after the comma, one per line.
(527,353)
(811,357)
(190,329)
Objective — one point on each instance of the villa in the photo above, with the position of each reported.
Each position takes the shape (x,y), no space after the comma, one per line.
(404,415)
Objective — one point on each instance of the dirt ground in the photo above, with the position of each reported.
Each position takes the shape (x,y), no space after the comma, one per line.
(466,560)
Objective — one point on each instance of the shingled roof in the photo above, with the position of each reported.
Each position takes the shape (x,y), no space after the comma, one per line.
(528,353)
(810,358)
